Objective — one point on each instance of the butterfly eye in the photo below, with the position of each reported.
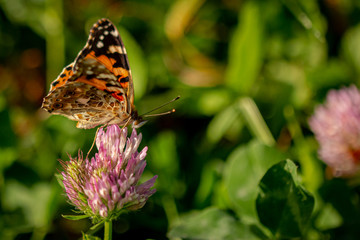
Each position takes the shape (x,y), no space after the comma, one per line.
(138,123)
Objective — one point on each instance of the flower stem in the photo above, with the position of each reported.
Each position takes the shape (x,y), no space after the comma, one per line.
(108,230)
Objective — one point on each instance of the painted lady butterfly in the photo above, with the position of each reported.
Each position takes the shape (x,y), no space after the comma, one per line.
(97,88)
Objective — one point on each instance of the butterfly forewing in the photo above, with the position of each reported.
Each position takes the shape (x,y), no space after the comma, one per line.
(105,46)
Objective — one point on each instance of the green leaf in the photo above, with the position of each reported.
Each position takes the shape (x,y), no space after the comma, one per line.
(243,170)
(328,218)
(283,205)
(210,223)
(162,151)
(306,13)
(211,101)
(97,225)
(335,72)
(75,217)
(34,201)
(8,156)
(350,48)
(343,199)
(255,121)
(222,123)
(89,237)
(245,50)
(208,182)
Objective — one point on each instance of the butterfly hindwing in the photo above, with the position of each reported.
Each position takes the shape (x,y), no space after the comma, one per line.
(83,103)
(61,80)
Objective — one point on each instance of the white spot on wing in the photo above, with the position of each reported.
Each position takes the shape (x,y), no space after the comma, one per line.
(106,76)
(115,89)
(106,32)
(101,37)
(82,100)
(118,49)
(99,44)
(114,33)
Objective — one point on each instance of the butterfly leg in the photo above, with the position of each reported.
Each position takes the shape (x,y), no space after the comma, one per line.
(125,125)
(97,131)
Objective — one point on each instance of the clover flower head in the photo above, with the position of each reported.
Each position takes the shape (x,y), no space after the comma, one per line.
(108,183)
(336,125)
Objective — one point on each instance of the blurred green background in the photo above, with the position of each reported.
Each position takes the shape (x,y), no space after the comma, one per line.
(249,74)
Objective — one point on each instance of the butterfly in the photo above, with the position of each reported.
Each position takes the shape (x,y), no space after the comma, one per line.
(97,88)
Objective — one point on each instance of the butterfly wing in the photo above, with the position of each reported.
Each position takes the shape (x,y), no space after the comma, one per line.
(106,47)
(82,102)
(101,68)
(61,80)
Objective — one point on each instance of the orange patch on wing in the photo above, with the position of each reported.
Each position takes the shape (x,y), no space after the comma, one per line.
(118,97)
(124,85)
(108,63)
(60,81)
(99,84)
(121,72)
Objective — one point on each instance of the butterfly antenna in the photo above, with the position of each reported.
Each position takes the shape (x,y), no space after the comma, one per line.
(159,114)
(163,105)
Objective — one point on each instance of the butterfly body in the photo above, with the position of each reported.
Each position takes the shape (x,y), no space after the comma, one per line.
(97,88)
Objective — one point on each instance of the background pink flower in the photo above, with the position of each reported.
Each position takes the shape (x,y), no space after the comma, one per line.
(336,125)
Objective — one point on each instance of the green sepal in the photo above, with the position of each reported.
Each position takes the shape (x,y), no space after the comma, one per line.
(75,217)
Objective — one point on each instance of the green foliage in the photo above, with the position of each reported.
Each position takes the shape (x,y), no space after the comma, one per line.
(283,205)
(245,49)
(136,57)
(89,237)
(75,217)
(243,170)
(249,74)
(210,223)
